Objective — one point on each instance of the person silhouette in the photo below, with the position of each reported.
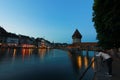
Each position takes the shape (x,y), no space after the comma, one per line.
(108,59)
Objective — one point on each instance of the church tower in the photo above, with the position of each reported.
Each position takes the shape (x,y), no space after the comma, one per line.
(76,37)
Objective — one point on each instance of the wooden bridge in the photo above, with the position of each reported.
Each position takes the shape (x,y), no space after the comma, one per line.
(84,46)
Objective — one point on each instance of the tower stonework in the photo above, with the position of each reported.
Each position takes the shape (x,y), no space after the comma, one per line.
(76,37)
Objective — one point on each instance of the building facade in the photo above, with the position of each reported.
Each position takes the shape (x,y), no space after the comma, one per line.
(3,36)
(12,40)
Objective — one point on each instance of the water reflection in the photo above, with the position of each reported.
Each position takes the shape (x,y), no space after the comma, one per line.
(86,62)
(14,54)
(42,53)
(80,62)
(26,52)
(55,64)
(93,64)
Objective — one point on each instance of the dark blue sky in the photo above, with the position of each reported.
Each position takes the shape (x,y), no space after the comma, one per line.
(54,20)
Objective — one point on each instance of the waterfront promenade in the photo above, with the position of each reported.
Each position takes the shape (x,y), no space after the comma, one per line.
(101,69)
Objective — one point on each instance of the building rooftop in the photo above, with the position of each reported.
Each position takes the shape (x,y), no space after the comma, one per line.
(2,30)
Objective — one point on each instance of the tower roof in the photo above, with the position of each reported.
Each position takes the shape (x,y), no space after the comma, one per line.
(77,34)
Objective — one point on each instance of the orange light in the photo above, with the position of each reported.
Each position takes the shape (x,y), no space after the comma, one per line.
(86,62)
(14,52)
(93,64)
(79,60)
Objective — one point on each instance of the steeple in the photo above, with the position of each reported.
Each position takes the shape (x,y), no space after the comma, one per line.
(76,36)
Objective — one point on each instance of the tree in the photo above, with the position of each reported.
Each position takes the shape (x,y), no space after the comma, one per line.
(106,18)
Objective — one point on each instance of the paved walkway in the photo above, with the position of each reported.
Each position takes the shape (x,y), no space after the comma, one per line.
(101,69)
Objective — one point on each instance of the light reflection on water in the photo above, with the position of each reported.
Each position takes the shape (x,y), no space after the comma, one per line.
(42,64)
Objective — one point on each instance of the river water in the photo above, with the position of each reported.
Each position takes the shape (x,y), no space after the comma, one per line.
(42,64)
